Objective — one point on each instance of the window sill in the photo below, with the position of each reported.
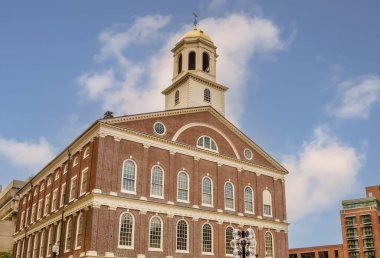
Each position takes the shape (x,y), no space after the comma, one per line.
(128,192)
(249,212)
(77,247)
(207,253)
(229,209)
(125,247)
(207,205)
(182,251)
(155,249)
(182,201)
(156,196)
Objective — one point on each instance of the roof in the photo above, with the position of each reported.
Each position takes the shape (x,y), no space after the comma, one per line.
(196,33)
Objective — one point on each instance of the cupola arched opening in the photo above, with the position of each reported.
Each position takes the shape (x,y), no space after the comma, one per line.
(176,97)
(205,62)
(207,95)
(192,58)
(180,63)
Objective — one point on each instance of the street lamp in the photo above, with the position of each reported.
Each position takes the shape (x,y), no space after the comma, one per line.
(55,250)
(244,243)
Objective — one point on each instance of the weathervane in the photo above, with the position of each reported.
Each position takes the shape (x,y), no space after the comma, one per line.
(195,20)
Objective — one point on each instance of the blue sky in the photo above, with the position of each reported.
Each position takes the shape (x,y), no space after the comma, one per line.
(304,83)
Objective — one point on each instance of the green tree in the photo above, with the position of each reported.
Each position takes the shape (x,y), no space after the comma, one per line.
(6,254)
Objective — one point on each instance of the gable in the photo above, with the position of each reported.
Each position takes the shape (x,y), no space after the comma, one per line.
(185,126)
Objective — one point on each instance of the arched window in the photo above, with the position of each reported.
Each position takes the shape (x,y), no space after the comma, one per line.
(192,58)
(79,232)
(29,248)
(42,244)
(207,246)
(157,182)
(229,237)
(75,162)
(228,196)
(248,199)
(269,245)
(129,177)
(180,63)
(182,234)
(155,233)
(69,233)
(206,142)
(23,247)
(58,234)
(35,246)
(267,202)
(207,191)
(49,241)
(18,250)
(176,97)
(126,230)
(207,95)
(183,187)
(86,152)
(205,62)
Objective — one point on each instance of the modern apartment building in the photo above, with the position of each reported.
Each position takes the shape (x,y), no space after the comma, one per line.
(360,220)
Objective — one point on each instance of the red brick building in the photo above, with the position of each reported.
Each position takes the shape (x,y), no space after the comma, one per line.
(361,225)
(325,251)
(164,184)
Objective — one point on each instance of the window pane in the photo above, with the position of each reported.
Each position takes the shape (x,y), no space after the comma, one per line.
(207,191)
(129,176)
(248,201)
(182,235)
(126,230)
(207,239)
(268,245)
(229,237)
(157,181)
(182,186)
(155,233)
(228,196)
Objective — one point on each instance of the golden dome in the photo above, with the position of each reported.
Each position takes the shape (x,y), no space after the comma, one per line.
(197,33)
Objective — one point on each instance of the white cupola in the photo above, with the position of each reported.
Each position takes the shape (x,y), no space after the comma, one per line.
(194,74)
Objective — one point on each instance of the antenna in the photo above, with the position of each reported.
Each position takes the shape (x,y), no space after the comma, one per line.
(195,20)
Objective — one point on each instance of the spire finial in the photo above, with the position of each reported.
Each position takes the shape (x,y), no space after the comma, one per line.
(195,20)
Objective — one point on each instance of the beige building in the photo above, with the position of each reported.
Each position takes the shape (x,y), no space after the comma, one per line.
(8,214)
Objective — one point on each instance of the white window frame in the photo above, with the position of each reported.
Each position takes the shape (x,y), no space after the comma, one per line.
(21,226)
(122,177)
(253,201)
(163,183)
(42,187)
(212,240)
(233,196)
(35,247)
(75,161)
(162,234)
(187,238)
(65,168)
(41,251)
(86,152)
(62,195)
(58,233)
(26,217)
(33,214)
(47,202)
(39,209)
(56,176)
(29,250)
(77,247)
(49,181)
(69,222)
(71,187)
(81,192)
(48,250)
(211,140)
(265,246)
(212,192)
(265,203)
(132,246)
(55,193)
(188,187)
(224,241)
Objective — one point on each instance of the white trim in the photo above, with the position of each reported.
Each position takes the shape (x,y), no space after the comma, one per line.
(212,240)
(187,126)
(42,239)
(188,187)
(122,177)
(161,237)
(62,196)
(154,128)
(251,153)
(52,208)
(187,236)
(211,141)
(75,161)
(68,223)
(48,250)
(253,201)
(47,201)
(77,247)
(132,246)
(86,152)
(163,182)
(265,203)
(81,182)
(233,196)
(65,168)
(71,198)
(39,209)
(212,192)
(274,255)
(224,240)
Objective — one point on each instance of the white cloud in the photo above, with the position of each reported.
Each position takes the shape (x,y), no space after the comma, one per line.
(137,84)
(356,98)
(30,156)
(321,175)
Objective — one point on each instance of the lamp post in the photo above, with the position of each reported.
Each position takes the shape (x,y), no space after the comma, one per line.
(244,243)
(55,250)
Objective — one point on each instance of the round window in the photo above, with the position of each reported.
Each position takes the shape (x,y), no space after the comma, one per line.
(159,128)
(248,154)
